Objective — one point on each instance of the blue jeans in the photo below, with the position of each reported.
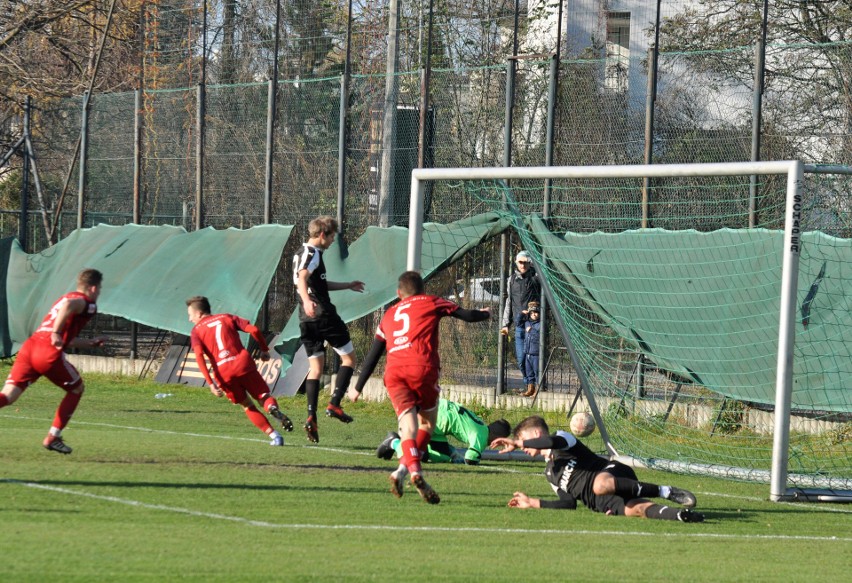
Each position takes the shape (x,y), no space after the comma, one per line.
(520,334)
(531,361)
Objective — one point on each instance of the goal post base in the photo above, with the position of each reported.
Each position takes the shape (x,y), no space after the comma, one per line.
(814,495)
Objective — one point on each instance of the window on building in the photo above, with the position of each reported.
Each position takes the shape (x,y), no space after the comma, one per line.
(617,50)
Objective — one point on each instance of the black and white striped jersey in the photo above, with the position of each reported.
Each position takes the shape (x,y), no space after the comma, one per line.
(310,258)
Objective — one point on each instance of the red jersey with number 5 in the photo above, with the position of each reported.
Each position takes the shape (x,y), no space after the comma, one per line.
(218,337)
(410,330)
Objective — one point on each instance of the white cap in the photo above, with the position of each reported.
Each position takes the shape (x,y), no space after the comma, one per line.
(523,255)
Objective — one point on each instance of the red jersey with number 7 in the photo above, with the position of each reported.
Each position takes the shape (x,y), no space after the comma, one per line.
(410,330)
(217,336)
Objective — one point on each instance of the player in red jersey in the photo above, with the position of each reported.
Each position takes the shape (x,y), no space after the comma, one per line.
(42,354)
(235,374)
(409,333)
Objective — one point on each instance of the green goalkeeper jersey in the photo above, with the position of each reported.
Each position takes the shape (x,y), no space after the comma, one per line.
(462,424)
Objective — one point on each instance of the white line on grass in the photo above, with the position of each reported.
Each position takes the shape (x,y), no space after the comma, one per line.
(368,527)
(188,434)
(352,452)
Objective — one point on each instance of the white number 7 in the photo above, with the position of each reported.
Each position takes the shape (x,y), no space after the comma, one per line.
(218,325)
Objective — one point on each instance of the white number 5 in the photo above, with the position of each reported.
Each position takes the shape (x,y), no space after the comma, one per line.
(401,316)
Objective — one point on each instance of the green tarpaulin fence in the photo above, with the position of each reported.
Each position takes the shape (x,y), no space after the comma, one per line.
(706,305)
(148,273)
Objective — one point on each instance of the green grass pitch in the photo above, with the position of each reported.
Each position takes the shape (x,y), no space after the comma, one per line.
(185,488)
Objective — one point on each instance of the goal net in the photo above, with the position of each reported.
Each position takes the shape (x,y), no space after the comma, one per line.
(705,308)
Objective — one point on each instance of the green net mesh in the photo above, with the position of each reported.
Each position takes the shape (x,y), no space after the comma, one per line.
(676,326)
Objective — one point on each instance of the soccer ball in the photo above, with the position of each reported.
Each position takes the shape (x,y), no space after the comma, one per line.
(582,424)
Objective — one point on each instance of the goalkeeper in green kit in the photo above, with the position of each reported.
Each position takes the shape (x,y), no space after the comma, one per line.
(458,422)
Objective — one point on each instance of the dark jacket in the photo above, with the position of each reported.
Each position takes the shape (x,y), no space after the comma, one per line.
(532,338)
(521,290)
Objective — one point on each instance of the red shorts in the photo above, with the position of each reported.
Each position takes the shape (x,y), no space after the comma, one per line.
(412,386)
(37,358)
(251,383)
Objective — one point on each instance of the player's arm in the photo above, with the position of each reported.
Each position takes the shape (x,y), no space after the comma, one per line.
(545,442)
(302,288)
(565,502)
(507,310)
(472,315)
(67,309)
(198,349)
(377,349)
(86,342)
(356,285)
(254,332)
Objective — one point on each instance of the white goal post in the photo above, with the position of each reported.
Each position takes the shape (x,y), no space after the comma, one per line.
(794,171)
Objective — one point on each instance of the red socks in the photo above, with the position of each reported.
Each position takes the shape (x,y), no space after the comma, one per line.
(410,456)
(4,400)
(257,418)
(422,440)
(66,409)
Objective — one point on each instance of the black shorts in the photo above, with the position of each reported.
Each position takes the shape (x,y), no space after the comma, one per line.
(327,328)
(610,503)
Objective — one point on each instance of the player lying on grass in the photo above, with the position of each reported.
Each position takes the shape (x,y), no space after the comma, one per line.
(234,371)
(458,422)
(409,333)
(576,473)
(43,354)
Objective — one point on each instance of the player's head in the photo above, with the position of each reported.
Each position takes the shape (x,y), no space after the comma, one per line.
(499,428)
(89,282)
(410,284)
(531,428)
(197,307)
(322,230)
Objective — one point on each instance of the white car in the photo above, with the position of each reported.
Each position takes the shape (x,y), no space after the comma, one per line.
(478,290)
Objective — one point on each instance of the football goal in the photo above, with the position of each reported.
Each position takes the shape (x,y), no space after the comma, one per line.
(705,309)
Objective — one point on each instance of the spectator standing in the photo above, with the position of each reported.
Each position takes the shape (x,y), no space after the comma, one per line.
(532,339)
(522,287)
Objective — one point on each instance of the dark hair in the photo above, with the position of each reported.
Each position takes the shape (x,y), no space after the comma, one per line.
(90,277)
(410,283)
(199,303)
(531,422)
(499,428)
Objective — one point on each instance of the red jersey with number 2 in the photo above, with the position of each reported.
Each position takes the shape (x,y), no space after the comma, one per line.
(410,330)
(217,336)
(75,322)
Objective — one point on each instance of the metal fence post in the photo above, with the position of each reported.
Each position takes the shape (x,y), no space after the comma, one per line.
(23,224)
(137,192)
(199,158)
(757,115)
(81,168)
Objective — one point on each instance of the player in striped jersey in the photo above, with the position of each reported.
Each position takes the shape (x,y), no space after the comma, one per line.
(319,322)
